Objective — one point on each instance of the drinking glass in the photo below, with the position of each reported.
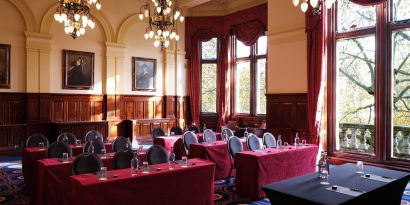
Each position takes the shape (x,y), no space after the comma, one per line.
(359,167)
(263,147)
(324,178)
(184,162)
(285,144)
(141,149)
(41,145)
(103,153)
(304,142)
(145,167)
(172,133)
(103,173)
(65,156)
(78,143)
(134,166)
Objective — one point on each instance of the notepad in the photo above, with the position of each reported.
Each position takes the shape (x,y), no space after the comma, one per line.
(346,190)
(385,179)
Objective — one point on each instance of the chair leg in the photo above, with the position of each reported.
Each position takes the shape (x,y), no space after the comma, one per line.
(229,176)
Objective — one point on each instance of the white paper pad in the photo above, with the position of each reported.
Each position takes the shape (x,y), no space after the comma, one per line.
(379,178)
(345,190)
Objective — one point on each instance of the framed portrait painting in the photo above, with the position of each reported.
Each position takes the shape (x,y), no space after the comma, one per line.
(143,74)
(78,70)
(5,66)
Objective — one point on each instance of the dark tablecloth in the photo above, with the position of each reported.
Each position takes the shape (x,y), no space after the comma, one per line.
(254,169)
(182,186)
(307,189)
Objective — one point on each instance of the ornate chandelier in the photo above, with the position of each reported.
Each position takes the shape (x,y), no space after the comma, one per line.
(316,5)
(162,21)
(75,14)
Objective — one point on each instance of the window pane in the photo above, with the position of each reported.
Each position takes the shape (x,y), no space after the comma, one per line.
(262,41)
(242,50)
(401,10)
(355,94)
(209,49)
(242,87)
(352,16)
(401,94)
(208,88)
(261,88)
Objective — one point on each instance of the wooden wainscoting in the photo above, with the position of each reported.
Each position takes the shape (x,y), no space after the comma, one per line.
(287,115)
(12,108)
(12,138)
(140,107)
(80,129)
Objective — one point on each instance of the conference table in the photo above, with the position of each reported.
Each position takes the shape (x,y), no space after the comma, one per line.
(216,152)
(32,154)
(255,169)
(52,176)
(381,186)
(182,186)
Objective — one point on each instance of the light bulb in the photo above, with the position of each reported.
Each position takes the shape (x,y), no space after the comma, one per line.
(94,1)
(304,7)
(159,9)
(169,3)
(155,4)
(146,13)
(85,23)
(71,29)
(295,2)
(92,26)
(182,18)
(151,34)
(159,32)
(67,30)
(84,18)
(77,17)
(166,44)
(156,43)
(172,35)
(165,34)
(82,31)
(168,10)
(98,6)
(177,37)
(314,3)
(56,16)
(141,16)
(146,36)
(77,33)
(176,15)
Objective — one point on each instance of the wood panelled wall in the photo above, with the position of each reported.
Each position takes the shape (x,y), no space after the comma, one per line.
(287,115)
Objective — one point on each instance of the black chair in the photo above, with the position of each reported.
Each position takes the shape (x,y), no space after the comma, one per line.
(71,138)
(234,146)
(269,140)
(157,155)
(35,139)
(97,144)
(209,136)
(253,143)
(120,144)
(193,128)
(122,159)
(240,132)
(93,135)
(56,150)
(86,163)
(177,130)
(157,132)
(227,133)
(189,138)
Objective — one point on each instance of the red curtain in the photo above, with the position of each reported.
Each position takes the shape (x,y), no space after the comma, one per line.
(316,28)
(367,2)
(248,32)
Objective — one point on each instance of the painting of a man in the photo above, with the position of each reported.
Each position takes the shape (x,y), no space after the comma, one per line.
(78,70)
(144,71)
(4,66)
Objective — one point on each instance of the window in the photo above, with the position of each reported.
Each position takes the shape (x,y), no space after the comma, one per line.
(250,77)
(209,76)
(367,66)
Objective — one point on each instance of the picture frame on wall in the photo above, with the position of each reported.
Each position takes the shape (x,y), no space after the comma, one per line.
(144,74)
(5,66)
(78,70)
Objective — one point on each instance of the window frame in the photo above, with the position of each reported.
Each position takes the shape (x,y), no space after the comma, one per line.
(209,61)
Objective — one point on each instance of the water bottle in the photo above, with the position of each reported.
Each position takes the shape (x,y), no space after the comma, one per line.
(245,134)
(279,142)
(134,164)
(323,165)
(171,161)
(297,139)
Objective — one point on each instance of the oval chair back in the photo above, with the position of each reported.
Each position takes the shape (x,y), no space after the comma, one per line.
(227,133)
(253,142)
(269,140)
(157,155)
(56,150)
(157,132)
(189,138)
(35,139)
(234,146)
(193,128)
(122,159)
(121,143)
(70,137)
(93,135)
(209,136)
(97,144)
(86,163)
(177,130)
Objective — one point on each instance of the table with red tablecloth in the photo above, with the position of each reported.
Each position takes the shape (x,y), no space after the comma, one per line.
(31,155)
(216,152)
(182,186)
(51,181)
(256,169)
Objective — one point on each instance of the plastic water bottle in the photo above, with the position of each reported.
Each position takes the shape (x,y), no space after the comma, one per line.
(134,164)
(323,165)
(246,134)
(279,142)
(171,161)
(297,139)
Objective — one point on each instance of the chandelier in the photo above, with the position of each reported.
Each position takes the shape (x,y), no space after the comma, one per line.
(316,5)
(75,14)
(162,21)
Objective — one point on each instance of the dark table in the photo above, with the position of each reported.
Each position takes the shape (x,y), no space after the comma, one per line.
(307,189)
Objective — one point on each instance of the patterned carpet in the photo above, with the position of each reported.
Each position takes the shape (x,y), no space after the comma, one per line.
(11,184)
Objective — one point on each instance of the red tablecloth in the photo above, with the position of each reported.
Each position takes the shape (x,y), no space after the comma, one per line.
(51,182)
(254,169)
(182,186)
(31,155)
(218,153)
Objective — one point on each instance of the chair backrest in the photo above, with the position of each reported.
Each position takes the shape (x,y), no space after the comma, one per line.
(234,146)
(259,132)
(86,163)
(35,139)
(120,144)
(93,135)
(98,146)
(227,133)
(253,142)
(269,140)
(209,136)
(177,130)
(122,159)
(56,150)
(189,138)
(193,128)
(156,132)
(157,155)
(240,132)
(70,137)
